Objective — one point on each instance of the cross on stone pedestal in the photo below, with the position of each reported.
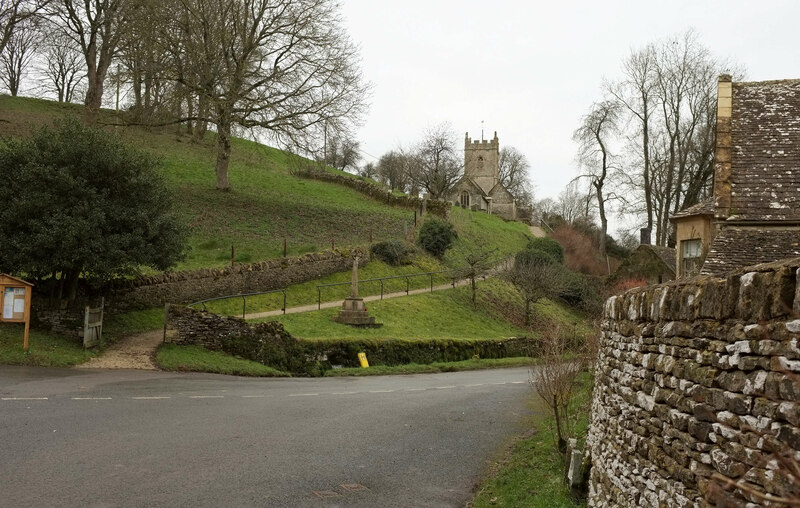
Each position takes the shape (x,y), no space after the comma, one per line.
(353,311)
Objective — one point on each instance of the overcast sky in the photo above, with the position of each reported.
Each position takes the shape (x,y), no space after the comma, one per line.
(530,69)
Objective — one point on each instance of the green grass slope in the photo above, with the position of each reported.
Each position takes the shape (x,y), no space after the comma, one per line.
(266,204)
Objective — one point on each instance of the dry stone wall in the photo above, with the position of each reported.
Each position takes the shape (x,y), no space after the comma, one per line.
(196,285)
(697,377)
(436,207)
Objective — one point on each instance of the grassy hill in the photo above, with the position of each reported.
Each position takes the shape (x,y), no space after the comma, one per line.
(266,203)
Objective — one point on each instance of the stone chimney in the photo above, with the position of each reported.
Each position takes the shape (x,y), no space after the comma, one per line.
(645,236)
(722,154)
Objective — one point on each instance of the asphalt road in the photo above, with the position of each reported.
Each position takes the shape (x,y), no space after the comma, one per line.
(99,438)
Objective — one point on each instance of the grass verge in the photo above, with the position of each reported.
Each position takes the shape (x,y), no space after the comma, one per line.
(432,368)
(46,349)
(199,359)
(532,474)
(438,315)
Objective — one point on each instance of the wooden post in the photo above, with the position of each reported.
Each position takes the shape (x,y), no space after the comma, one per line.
(415,218)
(232,252)
(284,246)
(370,235)
(333,244)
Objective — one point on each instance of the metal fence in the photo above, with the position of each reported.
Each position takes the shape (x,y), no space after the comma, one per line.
(381,281)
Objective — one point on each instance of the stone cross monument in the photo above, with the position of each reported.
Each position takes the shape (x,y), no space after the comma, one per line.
(353,311)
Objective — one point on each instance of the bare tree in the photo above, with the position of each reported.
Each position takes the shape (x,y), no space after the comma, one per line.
(475,260)
(392,170)
(368,170)
(438,163)
(282,67)
(668,89)
(62,67)
(536,280)
(555,378)
(342,153)
(14,13)
(515,175)
(96,26)
(593,137)
(19,50)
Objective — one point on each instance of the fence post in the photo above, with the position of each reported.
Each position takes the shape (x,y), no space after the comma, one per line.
(319,298)
(381,289)
(244,306)
(284,301)
(333,245)
(431,282)
(406,286)
(415,218)
(284,246)
(232,252)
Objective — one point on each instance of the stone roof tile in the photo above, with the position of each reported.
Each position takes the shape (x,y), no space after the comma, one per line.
(765,155)
(705,207)
(734,248)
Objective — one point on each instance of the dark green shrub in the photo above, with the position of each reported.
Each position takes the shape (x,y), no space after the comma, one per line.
(436,236)
(401,352)
(530,256)
(549,246)
(582,292)
(393,252)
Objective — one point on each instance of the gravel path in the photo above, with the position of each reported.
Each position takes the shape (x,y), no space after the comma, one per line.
(131,352)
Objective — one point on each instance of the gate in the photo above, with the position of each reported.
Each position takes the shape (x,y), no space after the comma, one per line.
(93,325)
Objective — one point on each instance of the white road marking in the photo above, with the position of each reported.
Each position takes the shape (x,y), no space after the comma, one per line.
(149,398)
(474,384)
(302,394)
(444,387)
(253,396)
(381,391)
(91,398)
(416,389)
(206,396)
(24,398)
(344,393)
(518,382)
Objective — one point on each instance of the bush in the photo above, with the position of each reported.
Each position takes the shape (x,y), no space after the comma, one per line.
(436,236)
(534,257)
(393,252)
(78,201)
(582,292)
(549,246)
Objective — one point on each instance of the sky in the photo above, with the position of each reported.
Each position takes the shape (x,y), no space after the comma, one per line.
(529,70)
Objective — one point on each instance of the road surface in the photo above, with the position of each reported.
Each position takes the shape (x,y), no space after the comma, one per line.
(101,438)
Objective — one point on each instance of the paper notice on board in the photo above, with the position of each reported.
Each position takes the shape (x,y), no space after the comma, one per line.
(8,304)
(19,305)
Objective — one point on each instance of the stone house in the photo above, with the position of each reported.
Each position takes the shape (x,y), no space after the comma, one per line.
(754,214)
(480,187)
(652,263)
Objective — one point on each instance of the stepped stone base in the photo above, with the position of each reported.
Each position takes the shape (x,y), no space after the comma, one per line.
(354,313)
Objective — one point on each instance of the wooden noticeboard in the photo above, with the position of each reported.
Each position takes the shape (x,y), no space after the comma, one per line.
(15,302)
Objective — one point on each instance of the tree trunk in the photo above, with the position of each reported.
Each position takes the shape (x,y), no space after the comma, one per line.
(223,150)
(527,312)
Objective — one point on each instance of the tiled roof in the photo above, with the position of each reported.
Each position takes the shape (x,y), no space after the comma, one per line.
(734,248)
(705,207)
(765,155)
(667,255)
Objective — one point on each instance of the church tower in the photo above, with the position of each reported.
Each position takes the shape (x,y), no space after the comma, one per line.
(482,162)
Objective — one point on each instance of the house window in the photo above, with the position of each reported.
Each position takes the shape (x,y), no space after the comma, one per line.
(691,256)
(465,199)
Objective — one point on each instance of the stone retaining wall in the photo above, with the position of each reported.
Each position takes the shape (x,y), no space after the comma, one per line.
(436,207)
(697,377)
(196,285)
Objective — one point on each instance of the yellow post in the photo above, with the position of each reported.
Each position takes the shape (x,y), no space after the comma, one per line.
(362,357)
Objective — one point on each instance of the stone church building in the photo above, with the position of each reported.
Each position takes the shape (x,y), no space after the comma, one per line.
(480,187)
